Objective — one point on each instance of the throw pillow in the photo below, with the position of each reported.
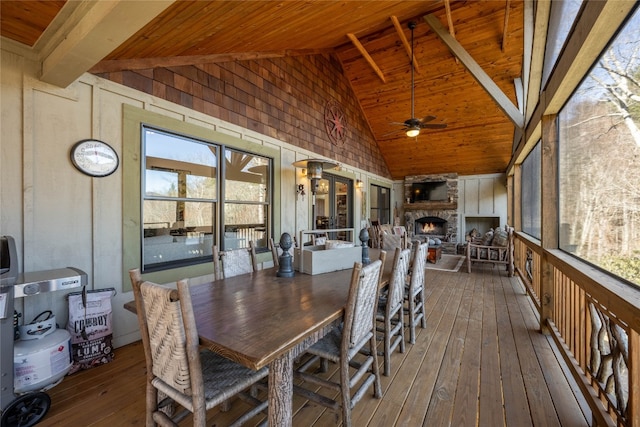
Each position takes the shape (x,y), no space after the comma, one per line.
(500,238)
(488,238)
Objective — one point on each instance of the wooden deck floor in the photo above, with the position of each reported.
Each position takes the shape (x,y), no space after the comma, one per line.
(480,362)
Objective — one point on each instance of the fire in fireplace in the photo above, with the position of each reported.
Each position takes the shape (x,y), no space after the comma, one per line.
(431,225)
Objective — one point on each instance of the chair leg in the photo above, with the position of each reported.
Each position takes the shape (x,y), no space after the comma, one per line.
(423,310)
(346,393)
(324,365)
(377,388)
(412,319)
(152,404)
(387,347)
(401,322)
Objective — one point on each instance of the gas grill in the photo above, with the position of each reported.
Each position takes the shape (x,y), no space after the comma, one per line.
(26,404)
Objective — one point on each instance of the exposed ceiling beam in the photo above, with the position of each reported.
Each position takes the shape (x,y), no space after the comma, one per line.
(366,56)
(452,31)
(477,72)
(527,59)
(99,27)
(405,43)
(109,66)
(505,26)
(598,23)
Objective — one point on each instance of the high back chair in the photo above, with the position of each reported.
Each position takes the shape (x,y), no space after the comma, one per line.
(275,252)
(178,371)
(415,291)
(234,261)
(390,308)
(341,345)
(273,248)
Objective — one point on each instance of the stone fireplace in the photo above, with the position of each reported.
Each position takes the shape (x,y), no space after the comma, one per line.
(431,226)
(432,217)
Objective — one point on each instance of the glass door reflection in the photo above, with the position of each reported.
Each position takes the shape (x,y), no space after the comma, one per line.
(334,205)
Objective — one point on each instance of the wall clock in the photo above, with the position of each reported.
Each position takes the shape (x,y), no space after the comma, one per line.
(94,157)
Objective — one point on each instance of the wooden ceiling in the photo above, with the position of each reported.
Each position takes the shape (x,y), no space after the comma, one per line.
(372,40)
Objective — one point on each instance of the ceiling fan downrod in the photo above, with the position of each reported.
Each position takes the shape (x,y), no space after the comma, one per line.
(414,129)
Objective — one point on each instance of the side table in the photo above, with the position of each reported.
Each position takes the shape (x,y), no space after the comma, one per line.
(435,253)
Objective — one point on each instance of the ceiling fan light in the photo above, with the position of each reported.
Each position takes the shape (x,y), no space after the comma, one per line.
(413,132)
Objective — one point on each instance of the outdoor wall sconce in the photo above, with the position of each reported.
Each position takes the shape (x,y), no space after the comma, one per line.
(314,168)
(359,184)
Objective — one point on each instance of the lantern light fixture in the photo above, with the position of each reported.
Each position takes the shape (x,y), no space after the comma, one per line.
(314,168)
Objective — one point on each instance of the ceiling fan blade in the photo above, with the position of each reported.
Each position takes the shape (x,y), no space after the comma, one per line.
(426,119)
(433,125)
(398,123)
(393,132)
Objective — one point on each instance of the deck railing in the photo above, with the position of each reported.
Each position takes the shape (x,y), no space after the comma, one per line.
(595,321)
(527,260)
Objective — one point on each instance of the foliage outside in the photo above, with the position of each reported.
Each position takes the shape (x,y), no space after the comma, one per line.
(599,154)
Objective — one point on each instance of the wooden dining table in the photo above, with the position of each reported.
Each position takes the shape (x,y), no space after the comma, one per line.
(260,319)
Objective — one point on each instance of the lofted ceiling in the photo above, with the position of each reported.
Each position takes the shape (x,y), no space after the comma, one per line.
(472,91)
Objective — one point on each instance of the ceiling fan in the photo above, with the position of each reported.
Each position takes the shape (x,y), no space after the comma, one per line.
(413,125)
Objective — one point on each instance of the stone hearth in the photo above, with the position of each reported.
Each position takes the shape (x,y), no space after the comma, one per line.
(446,210)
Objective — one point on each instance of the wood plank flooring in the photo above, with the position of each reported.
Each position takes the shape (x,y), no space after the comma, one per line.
(481,361)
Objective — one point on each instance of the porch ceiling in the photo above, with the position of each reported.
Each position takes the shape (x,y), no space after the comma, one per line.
(119,35)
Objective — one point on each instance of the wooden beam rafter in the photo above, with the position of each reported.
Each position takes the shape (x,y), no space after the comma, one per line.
(98,28)
(112,65)
(503,101)
(506,25)
(405,43)
(452,31)
(366,55)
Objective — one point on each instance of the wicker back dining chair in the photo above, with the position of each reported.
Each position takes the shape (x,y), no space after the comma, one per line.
(390,313)
(234,262)
(343,344)
(273,248)
(178,371)
(415,291)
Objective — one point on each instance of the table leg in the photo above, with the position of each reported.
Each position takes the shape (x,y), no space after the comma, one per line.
(281,391)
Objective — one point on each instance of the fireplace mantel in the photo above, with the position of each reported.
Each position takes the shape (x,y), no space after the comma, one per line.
(430,206)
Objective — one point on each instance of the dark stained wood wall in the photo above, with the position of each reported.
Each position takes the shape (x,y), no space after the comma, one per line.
(284,98)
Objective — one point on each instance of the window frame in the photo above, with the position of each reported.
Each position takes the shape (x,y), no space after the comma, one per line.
(377,188)
(565,245)
(526,181)
(133,119)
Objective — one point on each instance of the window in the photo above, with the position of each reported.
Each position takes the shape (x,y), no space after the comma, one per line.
(599,156)
(562,16)
(531,193)
(380,204)
(246,201)
(181,199)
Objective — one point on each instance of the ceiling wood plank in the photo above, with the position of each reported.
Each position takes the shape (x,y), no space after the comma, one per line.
(366,56)
(478,73)
(205,33)
(405,43)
